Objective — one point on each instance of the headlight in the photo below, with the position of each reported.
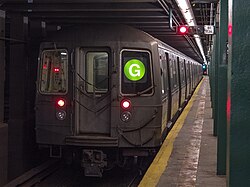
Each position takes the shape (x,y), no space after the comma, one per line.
(61,115)
(126,116)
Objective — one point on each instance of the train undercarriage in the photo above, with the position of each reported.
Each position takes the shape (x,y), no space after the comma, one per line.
(95,161)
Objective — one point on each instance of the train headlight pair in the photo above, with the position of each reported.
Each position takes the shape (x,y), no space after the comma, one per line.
(61,115)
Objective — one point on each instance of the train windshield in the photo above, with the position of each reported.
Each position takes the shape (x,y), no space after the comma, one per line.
(136,76)
(97,72)
(53,71)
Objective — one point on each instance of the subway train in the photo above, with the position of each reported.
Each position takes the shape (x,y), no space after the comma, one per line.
(109,94)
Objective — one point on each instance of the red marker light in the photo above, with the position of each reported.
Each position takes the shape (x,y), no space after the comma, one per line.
(61,103)
(125,104)
(56,70)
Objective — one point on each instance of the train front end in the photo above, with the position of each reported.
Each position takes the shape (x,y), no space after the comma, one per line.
(99,103)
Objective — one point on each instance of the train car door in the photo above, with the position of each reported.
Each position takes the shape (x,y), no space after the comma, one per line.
(168,87)
(92,91)
(182,80)
(179,81)
(166,94)
(187,70)
(186,78)
(191,76)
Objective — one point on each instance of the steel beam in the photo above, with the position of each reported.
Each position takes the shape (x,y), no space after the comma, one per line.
(3,127)
(2,64)
(18,136)
(204,1)
(97,15)
(78,1)
(3,154)
(133,22)
(82,6)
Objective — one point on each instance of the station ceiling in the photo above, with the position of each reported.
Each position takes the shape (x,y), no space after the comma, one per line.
(151,16)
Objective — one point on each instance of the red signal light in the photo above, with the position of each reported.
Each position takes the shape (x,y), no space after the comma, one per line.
(60,102)
(182,29)
(125,104)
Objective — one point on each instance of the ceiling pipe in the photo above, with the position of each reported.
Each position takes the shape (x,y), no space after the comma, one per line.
(210,23)
(187,12)
(211,13)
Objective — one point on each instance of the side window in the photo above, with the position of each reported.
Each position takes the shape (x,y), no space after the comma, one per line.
(164,76)
(97,75)
(182,71)
(136,77)
(187,71)
(167,72)
(175,73)
(163,71)
(53,71)
(171,71)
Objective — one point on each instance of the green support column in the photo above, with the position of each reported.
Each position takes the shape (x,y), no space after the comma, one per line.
(21,128)
(212,74)
(222,89)
(238,101)
(215,91)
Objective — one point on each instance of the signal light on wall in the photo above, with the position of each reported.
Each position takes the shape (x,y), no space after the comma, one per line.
(204,66)
(125,104)
(182,29)
(60,102)
(190,30)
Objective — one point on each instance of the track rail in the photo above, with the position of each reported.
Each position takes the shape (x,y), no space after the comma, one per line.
(35,175)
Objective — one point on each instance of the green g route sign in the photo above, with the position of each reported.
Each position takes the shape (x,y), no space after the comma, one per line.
(134,70)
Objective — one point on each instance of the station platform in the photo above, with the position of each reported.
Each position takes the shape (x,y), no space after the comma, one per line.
(188,154)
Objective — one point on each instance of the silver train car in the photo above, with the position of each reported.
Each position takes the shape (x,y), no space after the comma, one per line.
(109,93)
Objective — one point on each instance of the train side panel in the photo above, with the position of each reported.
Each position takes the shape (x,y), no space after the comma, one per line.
(182,81)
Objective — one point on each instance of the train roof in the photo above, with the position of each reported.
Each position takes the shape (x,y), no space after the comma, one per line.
(90,33)
(100,32)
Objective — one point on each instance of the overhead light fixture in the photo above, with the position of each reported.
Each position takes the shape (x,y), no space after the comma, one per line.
(187,12)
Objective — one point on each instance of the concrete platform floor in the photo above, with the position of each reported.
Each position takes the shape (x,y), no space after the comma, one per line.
(193,153)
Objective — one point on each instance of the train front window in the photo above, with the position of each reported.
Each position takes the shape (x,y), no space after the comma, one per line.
(136,77)
(97,76)
(53,71)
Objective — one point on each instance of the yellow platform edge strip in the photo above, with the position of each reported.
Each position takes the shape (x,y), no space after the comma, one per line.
(160,162)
